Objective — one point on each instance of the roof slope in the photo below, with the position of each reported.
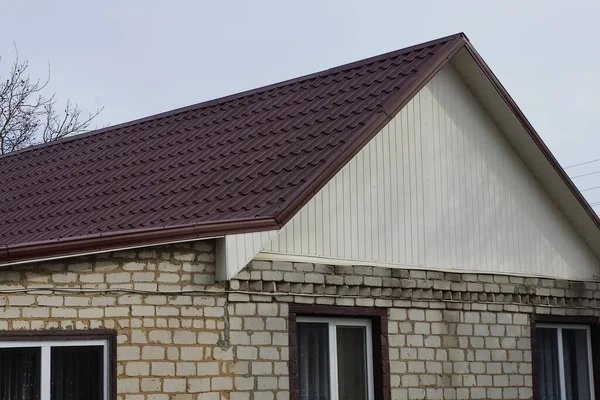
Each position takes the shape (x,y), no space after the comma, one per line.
(247,159)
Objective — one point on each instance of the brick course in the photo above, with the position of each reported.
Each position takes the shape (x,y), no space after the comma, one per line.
(182,336)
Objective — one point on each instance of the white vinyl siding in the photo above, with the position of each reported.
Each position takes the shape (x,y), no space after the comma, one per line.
(439,187)
(234,252)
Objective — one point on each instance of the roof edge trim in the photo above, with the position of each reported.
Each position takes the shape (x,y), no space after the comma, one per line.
(512,105)
(30,252)
(388,111)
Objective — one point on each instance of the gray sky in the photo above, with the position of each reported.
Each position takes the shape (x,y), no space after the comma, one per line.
(138,58)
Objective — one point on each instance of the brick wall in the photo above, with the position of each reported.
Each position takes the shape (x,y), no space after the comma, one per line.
(450,335)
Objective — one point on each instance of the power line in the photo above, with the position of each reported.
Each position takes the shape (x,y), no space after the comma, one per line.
(588,174)
(583,163)
(592,188)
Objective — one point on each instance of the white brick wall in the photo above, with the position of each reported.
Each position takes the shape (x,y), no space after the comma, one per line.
(451,336)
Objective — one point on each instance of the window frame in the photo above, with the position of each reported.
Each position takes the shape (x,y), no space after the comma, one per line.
(46,340)
(561,366)
(592,324)
(379,358)
(332,324)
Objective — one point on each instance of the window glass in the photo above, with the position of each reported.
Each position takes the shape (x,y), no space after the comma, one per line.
(352,362)
(334,359)
(575,355)
(54,370)
(313,361)
(547,343)
(77,373)
(20,373)
(564,362)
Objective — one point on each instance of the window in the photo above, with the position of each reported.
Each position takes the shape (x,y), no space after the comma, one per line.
(564,362)
(54,369)
(335,359)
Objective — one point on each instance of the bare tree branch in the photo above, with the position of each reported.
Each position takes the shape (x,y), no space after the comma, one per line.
(28,117)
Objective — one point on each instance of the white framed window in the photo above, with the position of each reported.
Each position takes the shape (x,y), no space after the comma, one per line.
(54,369)
(565,369)
(335,358)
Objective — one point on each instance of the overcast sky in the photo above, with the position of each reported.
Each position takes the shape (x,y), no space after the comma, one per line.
(138,58)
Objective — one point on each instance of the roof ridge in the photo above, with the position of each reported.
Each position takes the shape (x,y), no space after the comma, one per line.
(239,95)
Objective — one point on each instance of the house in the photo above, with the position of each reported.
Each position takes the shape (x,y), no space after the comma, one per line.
(392,228)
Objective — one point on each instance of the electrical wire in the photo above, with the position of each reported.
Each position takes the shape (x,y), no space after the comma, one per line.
(592,188)
(583,163)
(209,292)
(588,174)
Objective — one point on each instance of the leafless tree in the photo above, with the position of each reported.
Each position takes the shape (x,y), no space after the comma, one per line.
(28,117)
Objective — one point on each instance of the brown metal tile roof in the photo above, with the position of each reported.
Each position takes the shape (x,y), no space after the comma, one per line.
(240,163)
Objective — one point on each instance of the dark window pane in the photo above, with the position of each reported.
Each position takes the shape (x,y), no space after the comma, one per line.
(313,361)
(20,373)
(577,372)
(547,352)
(352,362)
(77,373)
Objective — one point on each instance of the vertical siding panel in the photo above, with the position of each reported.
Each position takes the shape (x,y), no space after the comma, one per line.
(443,220)
(359,213)
(340,225)
(382,185)
(412,191)
(419,178)
(428,150)
(501,200)
(406,149)
(386,193)
(318,232)
(298,236)
(471,193)
(436,132)
(353,207)
(375,202)
(312,220)
(273,245)
(401,244)
(393,191)
(368,210)
(480,220)
(454,213)
(346,216)
(466,212)
(434,251)
(333,227)
(380,198)
(326,227)
(306,228)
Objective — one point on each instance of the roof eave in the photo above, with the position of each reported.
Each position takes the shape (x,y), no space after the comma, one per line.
(71,247)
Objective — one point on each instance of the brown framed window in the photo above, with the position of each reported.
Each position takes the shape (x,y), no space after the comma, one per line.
(564,354)
(338,353)
(42,365)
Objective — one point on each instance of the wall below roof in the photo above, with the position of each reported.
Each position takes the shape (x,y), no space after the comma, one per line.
(440,187)
(452,336)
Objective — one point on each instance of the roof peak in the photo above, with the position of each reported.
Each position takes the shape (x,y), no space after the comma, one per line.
(238,95)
